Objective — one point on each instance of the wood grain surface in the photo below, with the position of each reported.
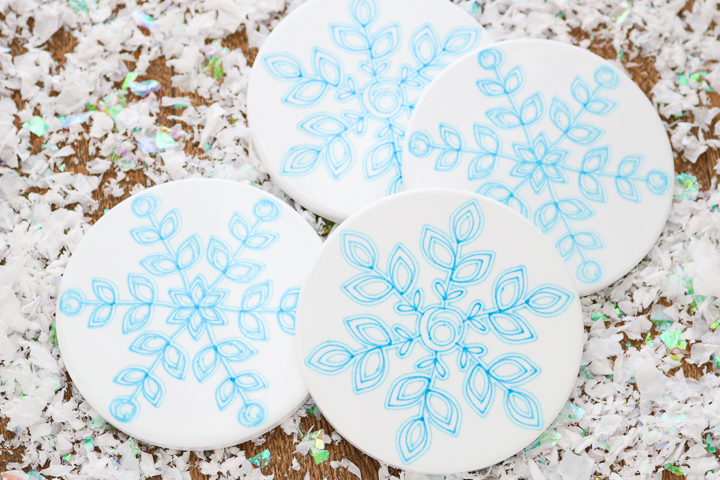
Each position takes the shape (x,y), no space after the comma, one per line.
(281,445)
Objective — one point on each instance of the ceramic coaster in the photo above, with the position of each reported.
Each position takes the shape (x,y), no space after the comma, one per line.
(439,331)
(332,89)
(561,136)
(176,316)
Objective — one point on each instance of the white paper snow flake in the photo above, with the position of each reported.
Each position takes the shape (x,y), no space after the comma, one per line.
(646,398)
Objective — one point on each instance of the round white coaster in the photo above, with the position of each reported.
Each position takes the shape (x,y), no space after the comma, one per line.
(176,313)
(333,87)
(559,135)
(439,331)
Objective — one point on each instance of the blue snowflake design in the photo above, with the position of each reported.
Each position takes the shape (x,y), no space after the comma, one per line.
(195,308)
(442,329)
(383,102)
(542,163)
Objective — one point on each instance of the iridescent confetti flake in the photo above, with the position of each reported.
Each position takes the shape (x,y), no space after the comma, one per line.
(113,104)
(78,6)
(144,20)
(144,88)
(673,469)
(89,444)
(716,361)
(709,447)
(621,13)
(37,126)
(599,316)
(317,449)
(75,119)
(649,340)
(53,336)
(35,474)
(689,187)
(677,348)
(261,459)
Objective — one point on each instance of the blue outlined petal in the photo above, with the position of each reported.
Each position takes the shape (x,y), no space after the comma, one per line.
(253,326)
(142,288)
(549,300)
(402,268)
(386,41)
(513,369)
(523,409)
(218,253)
(627,190)
(153,390)
(473,268)
(101,316)
(261,240)
(532,109)
(323,125)
(407,390)
(584,133)
(283,66)
(514,80)
(491,87)
(592,188)
(145,235)
(629,165)
(239,226)
(379,159)
(189,252)
(159,264)
(225,393)
(461,40)
(367,289)
(413,439)
(327,66)
(546,217)
(244,271)
(369,370)
(235,350)
(205,363)
(339,157)
(330,358)
(305,93)
(575,209)
(443,411)
(175,361)
(250,381)
(149,343)
(425,44)
(503,117)
(509,288)
(368,330)
(511,328)
(349,38)
(257,296)
(467,222)
(170,224)
(560,114)
(601,106)
(437,248)
(501,193)
(359,250)
(104,290)
(130,376)
(580,90)
(287,308)
(479,390)
(451,136)
(487,139)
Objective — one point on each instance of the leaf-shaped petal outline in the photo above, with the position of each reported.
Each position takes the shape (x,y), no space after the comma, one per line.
(425,44)
(523,409)
(358,250)
(413,439)
(509,288)
(327,66)
(368,330)
(511,328)
(367,289)
(283,66)
(447,419)
(330,358)
(549,300)
(461,40)
(407,390)
(513,369)
(467,222)
(479,390)
(437,248)
(370,369)
(402,268)
(349,38)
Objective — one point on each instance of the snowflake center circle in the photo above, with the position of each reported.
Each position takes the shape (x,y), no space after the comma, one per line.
(383,99)
(441,329)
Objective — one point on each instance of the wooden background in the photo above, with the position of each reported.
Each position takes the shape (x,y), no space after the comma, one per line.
(281,445)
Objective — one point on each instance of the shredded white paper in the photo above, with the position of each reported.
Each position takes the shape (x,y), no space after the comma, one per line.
(635,412)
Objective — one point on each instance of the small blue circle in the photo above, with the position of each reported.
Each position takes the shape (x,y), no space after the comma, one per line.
(490,58)
(144,205)
(252,414)
(420,144)
(72,302)
(125,409)
(658,182)
(267,210)
(606,77)
(590,271)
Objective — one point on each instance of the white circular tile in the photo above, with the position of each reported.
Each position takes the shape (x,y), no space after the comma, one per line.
(439,331)
(176,316)
(332,89)
(558,134)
